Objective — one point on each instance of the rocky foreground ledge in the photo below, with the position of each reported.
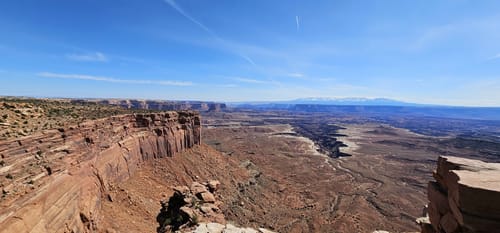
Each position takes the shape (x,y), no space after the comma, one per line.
(464,198)
(195,209)
(57,180)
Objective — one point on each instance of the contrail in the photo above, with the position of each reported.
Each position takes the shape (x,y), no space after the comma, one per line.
(297,21)
(174,5)
(181,11)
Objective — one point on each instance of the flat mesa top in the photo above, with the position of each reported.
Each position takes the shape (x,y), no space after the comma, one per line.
(487,179)
(476,174)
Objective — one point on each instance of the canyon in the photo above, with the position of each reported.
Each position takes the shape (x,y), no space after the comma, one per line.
(141,170)
(55,181)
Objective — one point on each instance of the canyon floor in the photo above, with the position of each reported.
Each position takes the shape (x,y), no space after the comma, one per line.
(381,186)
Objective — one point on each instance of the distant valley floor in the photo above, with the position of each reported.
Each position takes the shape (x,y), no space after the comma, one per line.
(380,187)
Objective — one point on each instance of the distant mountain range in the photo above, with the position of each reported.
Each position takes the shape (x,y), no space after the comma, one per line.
(353,101)
(377,107)
(332,101)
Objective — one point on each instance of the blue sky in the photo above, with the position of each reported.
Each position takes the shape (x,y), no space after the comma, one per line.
(426,51)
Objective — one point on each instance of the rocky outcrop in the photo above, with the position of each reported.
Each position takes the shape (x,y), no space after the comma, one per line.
(195,209)
(464,198)
(189,206)
(55,181)
(159,104)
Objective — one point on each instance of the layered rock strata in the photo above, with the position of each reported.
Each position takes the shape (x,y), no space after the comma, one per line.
(55,181)
(464,198)
(159,104)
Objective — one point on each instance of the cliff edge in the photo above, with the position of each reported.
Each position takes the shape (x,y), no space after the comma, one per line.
(56,180)
(464,198)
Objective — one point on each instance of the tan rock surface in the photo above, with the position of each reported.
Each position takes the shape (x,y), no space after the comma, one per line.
(466,197)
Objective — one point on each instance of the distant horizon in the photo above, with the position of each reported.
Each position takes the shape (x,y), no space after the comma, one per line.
(437,52)
(258,101)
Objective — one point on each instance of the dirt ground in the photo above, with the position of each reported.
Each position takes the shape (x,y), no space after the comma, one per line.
(382,186)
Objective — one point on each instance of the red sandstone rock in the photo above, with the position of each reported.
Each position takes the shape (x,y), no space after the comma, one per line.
(448,223)
(207,197)
(213,185)
(466,197)
(197,188)
(438,196)
(189,207)
(84,159)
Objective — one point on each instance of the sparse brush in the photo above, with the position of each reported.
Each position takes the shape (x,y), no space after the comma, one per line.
(194,220)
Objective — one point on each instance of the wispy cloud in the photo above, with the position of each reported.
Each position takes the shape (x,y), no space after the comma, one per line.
(181,11)
(227,85)
(497,56)
(296,75)
(93,57)
(248,80)
(113,80)
(326,79)
(297,22)
(480,29)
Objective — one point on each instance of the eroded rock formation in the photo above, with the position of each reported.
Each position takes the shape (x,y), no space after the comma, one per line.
(189,206)
(464,198)
(55,181)
(195,209)
(159,104)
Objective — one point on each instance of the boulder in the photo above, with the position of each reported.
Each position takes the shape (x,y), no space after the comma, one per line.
(215,227)
(197,188)
(207,197)
(213,185)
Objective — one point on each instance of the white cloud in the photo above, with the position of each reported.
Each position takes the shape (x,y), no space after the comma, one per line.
(248,80)
(326,79)
(113,80)
(296,75)
(97,57)
(480,30)
(227,85)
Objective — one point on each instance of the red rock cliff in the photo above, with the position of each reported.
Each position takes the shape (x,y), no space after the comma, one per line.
(464,198)
(55,181)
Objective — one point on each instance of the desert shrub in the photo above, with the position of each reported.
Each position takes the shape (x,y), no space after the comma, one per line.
(194,220)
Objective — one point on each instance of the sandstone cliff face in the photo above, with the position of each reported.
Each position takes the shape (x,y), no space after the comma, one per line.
(161,104)
(464,198)
(55,181)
